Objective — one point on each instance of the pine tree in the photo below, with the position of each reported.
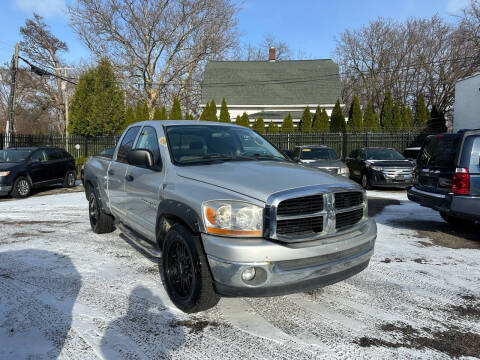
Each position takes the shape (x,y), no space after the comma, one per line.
(176,110)
(98,102)
(378,127)
(369,118)
(337,122)
(138,112)
(386,115)
(189,116)
(259,125)
(212,114)
(355,121)
(81,104)
(272,128)
(436,124)
(145,111)
(421,113)
(238,120)
(406,118)
(316,119)
(306,121)
(129,117)
(287,124)
(245,120)
(396,118)
(205,112)
(224,114)
(157,113)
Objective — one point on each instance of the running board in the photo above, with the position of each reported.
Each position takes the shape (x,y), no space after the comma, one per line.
(137,241)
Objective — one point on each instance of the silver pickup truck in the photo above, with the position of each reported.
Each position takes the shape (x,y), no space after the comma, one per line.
(227,213)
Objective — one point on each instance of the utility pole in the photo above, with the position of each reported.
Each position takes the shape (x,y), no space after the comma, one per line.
(65,102)
(11,98)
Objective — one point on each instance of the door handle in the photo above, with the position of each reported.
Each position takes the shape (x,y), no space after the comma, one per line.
(111,172)
(129,178)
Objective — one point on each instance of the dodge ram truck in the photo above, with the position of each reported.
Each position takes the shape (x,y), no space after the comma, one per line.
(227,213)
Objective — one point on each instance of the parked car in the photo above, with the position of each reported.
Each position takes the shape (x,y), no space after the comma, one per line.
(227,213)
(411,154)
(447,177)
(22,169)
(383,167)
(321,157)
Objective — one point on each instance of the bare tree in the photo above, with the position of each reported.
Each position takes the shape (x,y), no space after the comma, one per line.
(259,52)
(159,46)
(408,58)
(45,49)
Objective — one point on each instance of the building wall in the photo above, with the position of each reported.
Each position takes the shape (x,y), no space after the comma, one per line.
(235,110)
(467,104)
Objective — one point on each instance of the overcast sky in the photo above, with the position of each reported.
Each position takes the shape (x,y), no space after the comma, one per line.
(308,26)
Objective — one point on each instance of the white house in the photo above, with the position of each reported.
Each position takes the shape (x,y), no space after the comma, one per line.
(271,89)
(466,114)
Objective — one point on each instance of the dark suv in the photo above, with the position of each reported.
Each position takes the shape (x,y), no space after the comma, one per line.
(21,169)
(383,167)
(447,177)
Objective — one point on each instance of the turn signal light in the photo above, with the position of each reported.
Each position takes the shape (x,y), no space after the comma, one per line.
(461,182)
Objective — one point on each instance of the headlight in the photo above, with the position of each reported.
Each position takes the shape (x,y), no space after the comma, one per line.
(378,168)
(232,218)
(4,173)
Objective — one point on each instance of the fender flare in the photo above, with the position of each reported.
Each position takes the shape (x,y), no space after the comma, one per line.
(176,211)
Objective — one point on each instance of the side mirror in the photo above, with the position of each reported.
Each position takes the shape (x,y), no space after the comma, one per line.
(140,157)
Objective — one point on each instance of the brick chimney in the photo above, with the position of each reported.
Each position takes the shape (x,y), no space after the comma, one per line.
(271,54)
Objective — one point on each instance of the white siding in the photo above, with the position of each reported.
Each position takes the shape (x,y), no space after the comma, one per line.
(467,104)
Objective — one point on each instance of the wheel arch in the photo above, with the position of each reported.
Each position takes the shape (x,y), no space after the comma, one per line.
(171,212)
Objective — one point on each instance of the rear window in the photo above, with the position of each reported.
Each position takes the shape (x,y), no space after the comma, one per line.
(439,151)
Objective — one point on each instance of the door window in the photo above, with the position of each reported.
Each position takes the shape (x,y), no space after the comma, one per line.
(127,144)
(39,156)
(148,140)
(54,154)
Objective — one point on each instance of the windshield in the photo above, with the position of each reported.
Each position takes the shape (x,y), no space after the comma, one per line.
(318,154)
(191,144)
(383,154)
(14,155)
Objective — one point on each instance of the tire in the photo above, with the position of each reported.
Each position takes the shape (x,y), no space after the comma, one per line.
(100,222)
(70,178)
(366,182)
(460,224)
(21,188)
(185,271)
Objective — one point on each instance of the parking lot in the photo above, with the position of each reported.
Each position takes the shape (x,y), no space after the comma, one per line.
(69,293)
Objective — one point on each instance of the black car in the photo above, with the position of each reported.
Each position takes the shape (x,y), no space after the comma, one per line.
(22,169)
(447,177)
(383,167)
(320,157)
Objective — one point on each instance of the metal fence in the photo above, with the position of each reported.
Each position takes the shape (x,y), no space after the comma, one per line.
(343,143)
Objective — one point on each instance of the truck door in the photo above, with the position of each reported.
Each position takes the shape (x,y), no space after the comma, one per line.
(143,186)
(117,172)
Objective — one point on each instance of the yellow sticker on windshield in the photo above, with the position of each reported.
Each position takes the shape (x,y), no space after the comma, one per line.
(162,141)
(306,150)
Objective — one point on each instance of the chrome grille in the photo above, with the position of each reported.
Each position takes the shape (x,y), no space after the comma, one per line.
(300,226)
(345,200)
(310,213)
(301,205)
(392,172)
(348,218)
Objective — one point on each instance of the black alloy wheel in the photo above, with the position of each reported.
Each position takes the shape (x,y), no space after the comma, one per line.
(93,211)
(21,188)
(180,269)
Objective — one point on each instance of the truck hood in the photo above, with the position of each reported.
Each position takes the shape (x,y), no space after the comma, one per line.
(324,163)
(259,179)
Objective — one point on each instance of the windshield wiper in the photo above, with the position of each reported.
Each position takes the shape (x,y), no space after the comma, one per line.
(262,157)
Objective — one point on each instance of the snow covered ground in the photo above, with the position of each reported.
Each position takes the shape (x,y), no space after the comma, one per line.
(66,292)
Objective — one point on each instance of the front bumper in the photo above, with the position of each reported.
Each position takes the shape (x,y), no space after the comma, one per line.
(5,189)
(381,180)
(282,269)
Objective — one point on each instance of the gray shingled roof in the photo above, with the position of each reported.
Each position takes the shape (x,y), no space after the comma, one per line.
(272,83)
